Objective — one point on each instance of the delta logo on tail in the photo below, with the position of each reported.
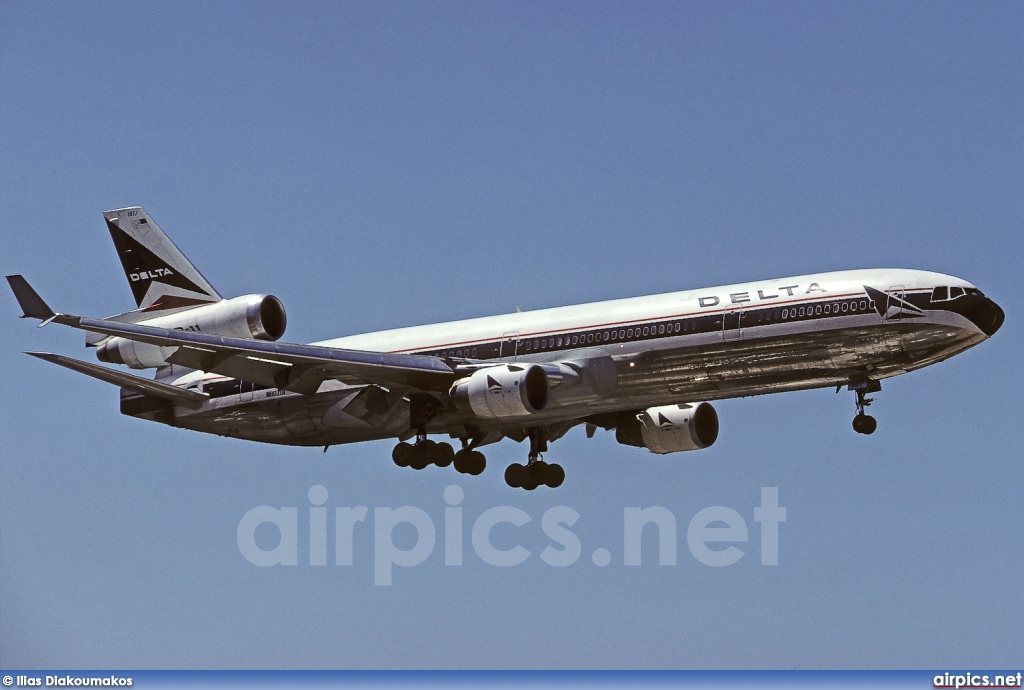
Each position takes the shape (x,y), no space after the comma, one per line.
(143,267)
(891,307)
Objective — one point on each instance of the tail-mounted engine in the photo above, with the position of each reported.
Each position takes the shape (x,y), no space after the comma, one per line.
(261,317)
(507,390)
(671,428)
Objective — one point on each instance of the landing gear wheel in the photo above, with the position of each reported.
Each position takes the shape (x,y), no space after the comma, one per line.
(529,480)
(462,461)
(445,455)
(402,454)
(864,424)
(423,455)
(533,475)
(554,475)
(477,462)
(470,462)
(514,475)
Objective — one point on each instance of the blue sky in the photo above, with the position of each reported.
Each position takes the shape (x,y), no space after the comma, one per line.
(386,165)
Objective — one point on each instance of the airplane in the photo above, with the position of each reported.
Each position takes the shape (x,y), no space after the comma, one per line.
(646,368)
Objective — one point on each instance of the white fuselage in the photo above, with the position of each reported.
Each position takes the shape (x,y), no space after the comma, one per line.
(782,292)
(703,344)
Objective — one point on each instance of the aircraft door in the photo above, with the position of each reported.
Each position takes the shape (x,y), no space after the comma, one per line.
(732,323)
(895,297)
(246,391)
(509,346)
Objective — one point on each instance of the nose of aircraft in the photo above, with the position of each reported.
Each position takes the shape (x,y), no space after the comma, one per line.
(987,315)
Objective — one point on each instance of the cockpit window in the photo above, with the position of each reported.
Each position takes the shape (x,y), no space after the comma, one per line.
(944,293)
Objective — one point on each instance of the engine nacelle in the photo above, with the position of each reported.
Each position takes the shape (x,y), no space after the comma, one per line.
(136,355)
(251,316)
(506,390)
(671,428)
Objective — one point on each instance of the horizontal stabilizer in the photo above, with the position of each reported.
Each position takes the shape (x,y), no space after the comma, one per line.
(32,305)
(125,380)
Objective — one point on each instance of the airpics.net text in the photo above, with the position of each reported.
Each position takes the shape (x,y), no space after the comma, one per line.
(712,534)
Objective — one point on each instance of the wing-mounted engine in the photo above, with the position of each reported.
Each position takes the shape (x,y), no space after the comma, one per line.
(506,390)
(671,428)
(260,317)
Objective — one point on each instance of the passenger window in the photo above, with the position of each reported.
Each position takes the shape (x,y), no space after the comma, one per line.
(863,305)
(575,339)
(559,344)
(606,336)
(474,350)
(801,311)
(817,309)
(785,313)
(536,344)
(940,293)
(629,333)
(590,337)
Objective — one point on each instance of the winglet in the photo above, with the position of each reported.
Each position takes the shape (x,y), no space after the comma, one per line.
(31,303)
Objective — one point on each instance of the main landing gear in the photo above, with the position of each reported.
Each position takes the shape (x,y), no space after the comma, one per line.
(423,408)
(535,472)
(864,423)
(426,452)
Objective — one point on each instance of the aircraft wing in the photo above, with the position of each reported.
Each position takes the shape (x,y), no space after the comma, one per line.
(125,380)
(290,366)
(285,365)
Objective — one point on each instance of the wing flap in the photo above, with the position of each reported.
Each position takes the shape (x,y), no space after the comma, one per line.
(232,365)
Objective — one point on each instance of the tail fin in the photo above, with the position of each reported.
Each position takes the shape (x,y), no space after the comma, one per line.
(160,276)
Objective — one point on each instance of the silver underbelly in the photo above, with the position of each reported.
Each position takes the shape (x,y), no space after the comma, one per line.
(687,370)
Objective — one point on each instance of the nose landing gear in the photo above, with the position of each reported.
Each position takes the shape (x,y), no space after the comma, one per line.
(864,423)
